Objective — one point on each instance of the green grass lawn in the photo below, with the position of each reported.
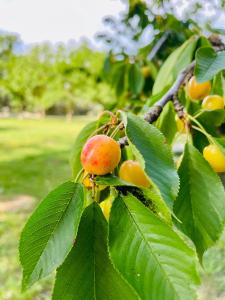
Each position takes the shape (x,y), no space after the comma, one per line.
(34,154)
(34,158)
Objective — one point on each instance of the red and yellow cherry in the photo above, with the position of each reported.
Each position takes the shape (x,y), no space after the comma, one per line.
(215,158)
(100,155)
(106,207)
(132,172)
(213,102)
(180,125)
(198,91)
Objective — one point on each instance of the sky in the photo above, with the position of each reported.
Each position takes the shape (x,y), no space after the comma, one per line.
(56,20)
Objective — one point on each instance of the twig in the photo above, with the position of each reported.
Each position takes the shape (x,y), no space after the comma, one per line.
(216,42)
(179,108)
(123,142)
(155,111)
(158,45)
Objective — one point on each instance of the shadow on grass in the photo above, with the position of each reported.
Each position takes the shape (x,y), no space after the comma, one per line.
(7,128)
(34,175)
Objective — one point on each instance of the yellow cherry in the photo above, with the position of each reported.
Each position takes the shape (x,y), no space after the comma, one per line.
(213,102)
(198,91)
(215,158)
(132,172)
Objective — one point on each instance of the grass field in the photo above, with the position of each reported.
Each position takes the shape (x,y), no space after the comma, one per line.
(33,159)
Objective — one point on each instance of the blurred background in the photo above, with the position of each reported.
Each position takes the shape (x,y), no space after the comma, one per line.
(61,64)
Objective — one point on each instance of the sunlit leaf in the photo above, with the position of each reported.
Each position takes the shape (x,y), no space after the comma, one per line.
(152,147)
(149,254)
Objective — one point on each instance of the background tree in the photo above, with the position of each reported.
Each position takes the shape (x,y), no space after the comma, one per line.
(54,79)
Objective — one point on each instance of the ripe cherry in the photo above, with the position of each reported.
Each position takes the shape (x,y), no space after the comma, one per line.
(100,155)
(132,172)
(215,158)
(198,91)
(213,102)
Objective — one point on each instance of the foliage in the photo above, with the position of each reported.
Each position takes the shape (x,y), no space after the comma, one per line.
(156,236)
(142,38)
(102,280)
(209,63)
(133,224)
(200,210)
(57,222)
(47,78)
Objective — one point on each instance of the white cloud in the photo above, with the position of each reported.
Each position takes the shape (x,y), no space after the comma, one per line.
(56,20)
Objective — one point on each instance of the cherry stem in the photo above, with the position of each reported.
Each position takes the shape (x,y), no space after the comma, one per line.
(198,114)
(79,175)
(205,133)
(116,130)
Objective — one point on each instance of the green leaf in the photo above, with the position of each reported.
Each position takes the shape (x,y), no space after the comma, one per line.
(200,141)
(208,63)
(218,87)
(159,165)
(107,67)
(135,79)
(149,254)
(211,120)
(214,117)
(203,42)
(119,78)
(49,233)
(166,122)
(200,205)
(174,64)
(88,273)
(159,206)
(78,145)
(111,180)
(220,143)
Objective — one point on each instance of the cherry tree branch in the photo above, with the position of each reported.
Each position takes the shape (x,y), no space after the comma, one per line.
(155,111)
(158,45)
